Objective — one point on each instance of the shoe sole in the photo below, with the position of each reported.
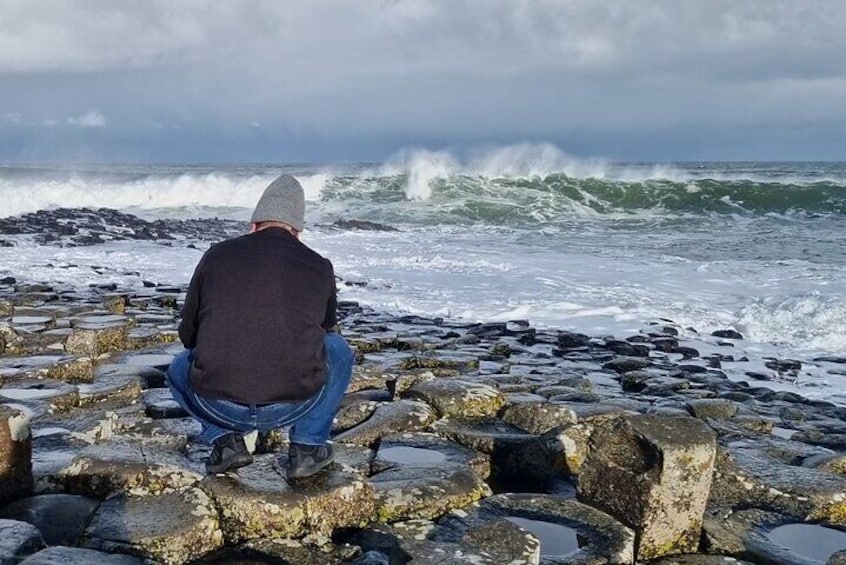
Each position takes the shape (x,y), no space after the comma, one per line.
(237,463)
(304,472)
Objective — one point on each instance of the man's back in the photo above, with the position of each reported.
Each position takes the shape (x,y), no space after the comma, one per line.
(256,314)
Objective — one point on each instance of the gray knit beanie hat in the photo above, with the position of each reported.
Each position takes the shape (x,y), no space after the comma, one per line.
(283,201)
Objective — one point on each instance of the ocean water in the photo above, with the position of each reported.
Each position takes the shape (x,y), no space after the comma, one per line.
(517,232)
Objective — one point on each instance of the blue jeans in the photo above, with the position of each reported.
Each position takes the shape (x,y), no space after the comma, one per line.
(311,419)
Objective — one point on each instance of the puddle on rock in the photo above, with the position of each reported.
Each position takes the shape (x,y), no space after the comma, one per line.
(555,540)
(411,455)
(810,541)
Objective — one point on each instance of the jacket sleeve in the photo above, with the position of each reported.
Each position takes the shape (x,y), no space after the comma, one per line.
(330,320)
(191,308)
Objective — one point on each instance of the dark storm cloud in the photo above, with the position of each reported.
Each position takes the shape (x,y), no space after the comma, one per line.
(189,79)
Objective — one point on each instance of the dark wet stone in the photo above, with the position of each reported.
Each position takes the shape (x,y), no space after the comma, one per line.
(831,359)
(727,334)
(635,381)
(60,518)
(18,540)
(570,340)
(784,365)
(665,344)
(717,408)
(627,349)
(362,225)
(627,364)
(576,396)
(692,369)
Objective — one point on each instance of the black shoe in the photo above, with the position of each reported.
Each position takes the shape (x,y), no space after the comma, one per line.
(229,452)
(306,460)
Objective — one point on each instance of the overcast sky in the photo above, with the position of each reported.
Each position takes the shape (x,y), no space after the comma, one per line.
(331,80)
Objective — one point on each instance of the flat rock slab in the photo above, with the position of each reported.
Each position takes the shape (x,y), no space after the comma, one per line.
(456,397)
(171,528)
(112,387)
(748,472)
(60,518)
(389,418)
(78,556)
(480,435)
(538,417)
(17,540)
(66,368)
(259,502)
(130,467)
(653,473)
(159,361)
(595,537)
(56,394)
(409,492)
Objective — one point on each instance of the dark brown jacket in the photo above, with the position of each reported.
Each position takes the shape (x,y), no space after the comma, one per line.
(256,314)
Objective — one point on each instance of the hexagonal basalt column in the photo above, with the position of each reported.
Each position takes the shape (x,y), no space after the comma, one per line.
(654,474)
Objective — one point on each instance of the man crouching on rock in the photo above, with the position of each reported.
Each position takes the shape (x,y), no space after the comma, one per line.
(261,352)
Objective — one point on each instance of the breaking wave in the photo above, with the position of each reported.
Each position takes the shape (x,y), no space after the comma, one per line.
(518,184)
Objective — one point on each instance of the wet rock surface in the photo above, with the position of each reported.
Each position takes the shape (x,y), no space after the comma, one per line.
(456,443)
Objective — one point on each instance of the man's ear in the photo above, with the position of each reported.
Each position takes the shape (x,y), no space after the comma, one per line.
(253,228)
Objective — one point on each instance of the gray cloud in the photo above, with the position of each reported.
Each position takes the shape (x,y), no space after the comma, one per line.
(611,78)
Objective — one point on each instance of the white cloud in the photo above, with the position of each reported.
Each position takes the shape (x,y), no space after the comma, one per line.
(14,117)
(90,119)
(427,71)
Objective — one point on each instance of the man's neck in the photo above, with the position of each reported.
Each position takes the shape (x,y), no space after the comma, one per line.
(280,225)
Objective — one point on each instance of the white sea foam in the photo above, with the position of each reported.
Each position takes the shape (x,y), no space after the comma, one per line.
(20,196)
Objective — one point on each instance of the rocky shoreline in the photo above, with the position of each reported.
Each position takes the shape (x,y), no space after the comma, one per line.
(458,443)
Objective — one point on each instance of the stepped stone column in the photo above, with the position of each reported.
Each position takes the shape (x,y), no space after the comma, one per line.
(15,455)
(653,473)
